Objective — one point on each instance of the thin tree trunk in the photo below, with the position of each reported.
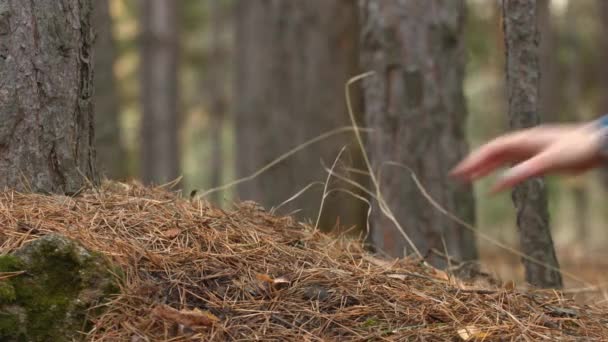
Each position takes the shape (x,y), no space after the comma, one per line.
(111,155)
(214,87)
(573,95)
(548,63)
(416,106)
(530,198)
(581,213)
(46,113)
(293,60)
(160,161)
(216,125)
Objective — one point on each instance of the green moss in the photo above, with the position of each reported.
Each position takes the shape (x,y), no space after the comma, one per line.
(11,327)
(9,263)
(7,292)
(370,322)
(62,280)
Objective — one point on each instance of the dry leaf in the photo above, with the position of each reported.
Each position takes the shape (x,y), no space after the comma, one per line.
(439,274)
(378,261)
(397,276)
(189,318)
(471,332)
(281,282)
(275,283)
(157,260)
(509,285)
(264,278)
(171,233)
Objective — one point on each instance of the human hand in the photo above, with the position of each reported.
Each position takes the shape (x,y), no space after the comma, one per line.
(535,151)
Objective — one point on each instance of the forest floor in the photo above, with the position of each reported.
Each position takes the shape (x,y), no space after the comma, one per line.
(195,272)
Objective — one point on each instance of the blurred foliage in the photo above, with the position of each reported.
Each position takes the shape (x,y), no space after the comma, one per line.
(578,28)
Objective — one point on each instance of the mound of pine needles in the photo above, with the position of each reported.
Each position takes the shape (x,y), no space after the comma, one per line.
(195,272)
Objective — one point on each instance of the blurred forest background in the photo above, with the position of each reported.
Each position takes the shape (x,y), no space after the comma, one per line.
(181,121)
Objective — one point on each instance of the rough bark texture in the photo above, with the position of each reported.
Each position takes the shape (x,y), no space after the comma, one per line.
(530,198)
(46,115)
(111,155)
(416,105)
(293,60)
(160,161)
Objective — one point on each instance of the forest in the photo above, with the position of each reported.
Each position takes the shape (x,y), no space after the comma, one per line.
(283,170)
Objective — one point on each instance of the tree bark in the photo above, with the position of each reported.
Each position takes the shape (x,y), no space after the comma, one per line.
(111,155)
(46,114)
(549,105)
(215,93)
(160,158)
(293,60)
(530,198)
(416,106)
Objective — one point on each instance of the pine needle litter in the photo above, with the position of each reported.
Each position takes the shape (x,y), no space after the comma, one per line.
(195,272)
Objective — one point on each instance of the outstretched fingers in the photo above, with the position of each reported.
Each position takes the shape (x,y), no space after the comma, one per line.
(542,163)
(494,154)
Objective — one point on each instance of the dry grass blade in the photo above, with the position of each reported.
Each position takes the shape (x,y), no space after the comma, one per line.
(326,187)
(384,207)
(284,156)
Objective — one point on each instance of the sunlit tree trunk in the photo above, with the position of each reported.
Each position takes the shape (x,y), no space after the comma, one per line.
(111,155)
(530,198)
(416,106)
(293,60)
(160,156)
(46,89)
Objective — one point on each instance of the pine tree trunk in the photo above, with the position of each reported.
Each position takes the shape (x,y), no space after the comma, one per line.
(215,93)
(581,213)
(160,161)
(530,198)
(293,60)
(549,106)
(111,155)
(573,95)
(416,106)
(46,113)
